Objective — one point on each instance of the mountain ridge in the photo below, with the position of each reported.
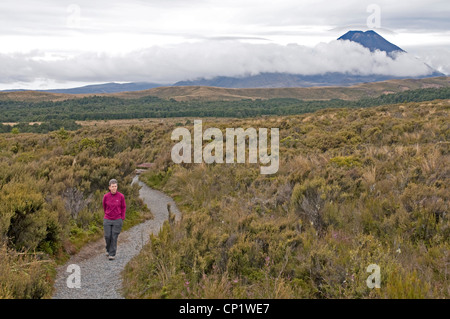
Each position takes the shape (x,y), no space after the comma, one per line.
(206,93)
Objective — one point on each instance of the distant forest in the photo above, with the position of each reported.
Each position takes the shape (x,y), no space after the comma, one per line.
(55,115)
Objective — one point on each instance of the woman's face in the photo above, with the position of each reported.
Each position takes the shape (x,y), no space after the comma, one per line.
(113,188)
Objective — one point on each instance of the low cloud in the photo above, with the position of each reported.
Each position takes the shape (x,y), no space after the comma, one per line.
(437,58)
(208,59)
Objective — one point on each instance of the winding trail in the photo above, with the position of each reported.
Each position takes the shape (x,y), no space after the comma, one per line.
(100,277)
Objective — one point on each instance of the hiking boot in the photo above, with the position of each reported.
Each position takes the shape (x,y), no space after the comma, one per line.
(112,257)
(107,253)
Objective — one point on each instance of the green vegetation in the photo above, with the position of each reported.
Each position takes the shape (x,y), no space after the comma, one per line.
(51,189)
(45,127)
(107,108)
(355,187)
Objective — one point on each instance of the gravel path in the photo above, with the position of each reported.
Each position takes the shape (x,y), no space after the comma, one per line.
(100,277)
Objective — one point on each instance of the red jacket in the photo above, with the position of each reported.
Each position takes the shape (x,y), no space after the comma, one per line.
(114,206)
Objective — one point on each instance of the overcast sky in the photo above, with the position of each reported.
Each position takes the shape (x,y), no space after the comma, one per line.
(58,44)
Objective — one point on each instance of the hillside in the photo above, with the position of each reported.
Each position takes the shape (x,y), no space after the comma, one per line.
(188,93)
(355,187)
(35,96)
(56,114)
(195,93)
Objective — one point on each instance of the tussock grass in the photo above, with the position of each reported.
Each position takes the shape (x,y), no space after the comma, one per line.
(354,188)
(24,275)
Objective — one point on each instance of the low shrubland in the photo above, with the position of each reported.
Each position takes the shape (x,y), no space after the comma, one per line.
(354,188)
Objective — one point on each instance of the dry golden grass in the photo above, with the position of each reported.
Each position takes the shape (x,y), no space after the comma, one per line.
(152,121)
(23,275)
(311,230)
(35,96)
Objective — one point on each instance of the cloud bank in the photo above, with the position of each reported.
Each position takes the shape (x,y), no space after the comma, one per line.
(207,59)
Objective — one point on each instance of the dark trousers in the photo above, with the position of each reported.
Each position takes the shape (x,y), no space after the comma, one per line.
(112,230)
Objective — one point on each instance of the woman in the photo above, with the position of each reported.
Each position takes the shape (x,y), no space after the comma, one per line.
(114,207)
